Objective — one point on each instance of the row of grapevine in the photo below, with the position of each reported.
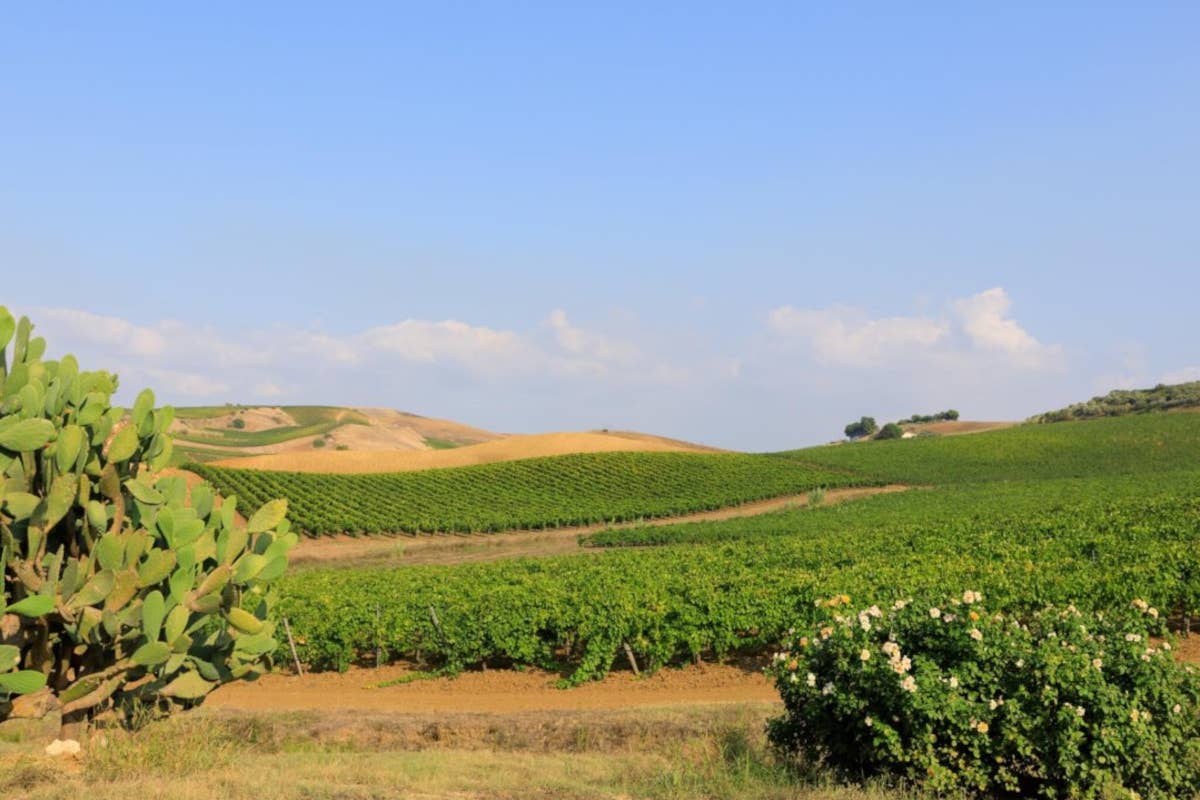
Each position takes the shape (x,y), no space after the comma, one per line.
(674,603)
(1138,445)
(532,493)
(970,507)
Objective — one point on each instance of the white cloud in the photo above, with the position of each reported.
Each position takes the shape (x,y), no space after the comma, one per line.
(578,342)
(733,387)
(125,336)
(321,347)
(199,361)
(185,383)
(984,319)
(975,326)
(847,336)
(452,342)
(1182,375)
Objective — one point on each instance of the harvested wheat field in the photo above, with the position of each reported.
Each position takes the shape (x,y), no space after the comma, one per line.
(510,448)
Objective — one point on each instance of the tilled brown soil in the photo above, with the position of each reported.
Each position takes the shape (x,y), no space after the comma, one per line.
(494,691)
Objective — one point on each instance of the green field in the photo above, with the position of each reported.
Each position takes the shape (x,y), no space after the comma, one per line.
(711,589)
(1134,445)
(440,444)
(532,493)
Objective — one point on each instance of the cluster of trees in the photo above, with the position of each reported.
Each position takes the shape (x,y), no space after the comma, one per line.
(1120,402)
(949,415)
(866,426)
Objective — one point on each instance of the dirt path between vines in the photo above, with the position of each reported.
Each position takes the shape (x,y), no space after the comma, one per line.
(402,549)
(504,691)
(495,691)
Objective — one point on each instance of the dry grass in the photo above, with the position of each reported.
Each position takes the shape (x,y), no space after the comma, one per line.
(510,448)
(677,754)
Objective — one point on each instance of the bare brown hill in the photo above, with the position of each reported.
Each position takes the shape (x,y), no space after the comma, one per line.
(509,448)
(954,427)
(357,429)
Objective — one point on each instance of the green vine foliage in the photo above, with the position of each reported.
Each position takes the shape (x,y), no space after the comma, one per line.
(959,699)
(713,589)
(121,585)
(550,492)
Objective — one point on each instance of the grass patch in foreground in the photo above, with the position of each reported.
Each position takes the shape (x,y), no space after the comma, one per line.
(675,755)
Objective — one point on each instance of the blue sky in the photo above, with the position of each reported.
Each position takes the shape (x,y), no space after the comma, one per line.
(741,223)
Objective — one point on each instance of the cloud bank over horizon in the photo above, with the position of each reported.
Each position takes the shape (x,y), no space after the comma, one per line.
(793,380)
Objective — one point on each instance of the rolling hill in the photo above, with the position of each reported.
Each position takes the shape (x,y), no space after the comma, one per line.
(1121,402)
(211,433)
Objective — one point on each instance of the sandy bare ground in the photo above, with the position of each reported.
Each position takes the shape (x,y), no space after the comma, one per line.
(405,425)
(502,691)
(260,418)
(509,448)
(954,427)
(403,549)
(386,429)
(494,691)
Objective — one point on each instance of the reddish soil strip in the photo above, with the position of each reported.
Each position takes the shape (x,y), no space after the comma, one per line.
(495,691)
(1188,649)
(462,548)
(502,691)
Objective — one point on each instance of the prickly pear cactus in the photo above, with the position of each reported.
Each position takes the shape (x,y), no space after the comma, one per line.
(120,587)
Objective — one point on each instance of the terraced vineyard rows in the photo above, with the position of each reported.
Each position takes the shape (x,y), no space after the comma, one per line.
(533,493)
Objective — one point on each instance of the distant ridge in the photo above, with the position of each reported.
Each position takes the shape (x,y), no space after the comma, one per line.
(507,448)
(1119,402)
(207,433)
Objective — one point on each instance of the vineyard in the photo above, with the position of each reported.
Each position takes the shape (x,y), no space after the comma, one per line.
(674,604)
(533,493)
(718,588)
(1152,443)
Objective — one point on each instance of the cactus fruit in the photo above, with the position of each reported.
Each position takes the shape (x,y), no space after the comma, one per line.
(118,584)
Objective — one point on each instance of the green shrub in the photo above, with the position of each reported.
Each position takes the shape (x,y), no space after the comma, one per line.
(237,422)
(1120,402)
(864,427)
(118,586)
(949,414)
(890,431)
(1059,704)
(318,443)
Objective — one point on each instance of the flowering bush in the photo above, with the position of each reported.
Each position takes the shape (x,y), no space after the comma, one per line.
(1056,704)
